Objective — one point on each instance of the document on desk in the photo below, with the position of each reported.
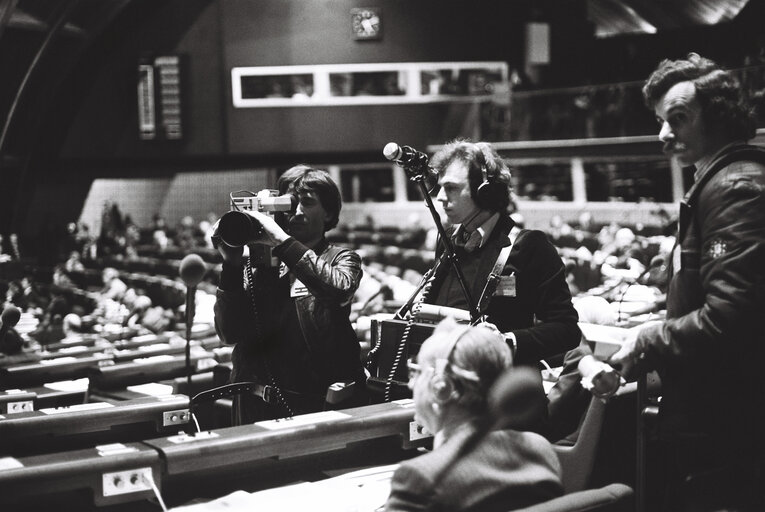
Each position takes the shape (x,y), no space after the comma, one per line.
(604,339)
(360,491)
(302,419)
(69,385)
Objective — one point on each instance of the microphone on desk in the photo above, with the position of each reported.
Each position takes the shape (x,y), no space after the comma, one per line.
(192,270)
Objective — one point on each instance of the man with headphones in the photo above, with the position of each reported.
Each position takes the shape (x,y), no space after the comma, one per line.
(529,301)
(470,467)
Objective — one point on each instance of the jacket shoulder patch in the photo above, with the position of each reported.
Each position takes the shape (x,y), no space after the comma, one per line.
(717,247)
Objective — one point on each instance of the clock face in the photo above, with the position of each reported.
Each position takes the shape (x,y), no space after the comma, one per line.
(366,23)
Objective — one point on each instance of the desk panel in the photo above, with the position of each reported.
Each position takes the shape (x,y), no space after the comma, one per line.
(310,433)
(75,479)
(53,429)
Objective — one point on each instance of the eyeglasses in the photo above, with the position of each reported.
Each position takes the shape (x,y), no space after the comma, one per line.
(413,369)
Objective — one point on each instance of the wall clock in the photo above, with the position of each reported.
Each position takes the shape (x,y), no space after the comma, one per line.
(366,23)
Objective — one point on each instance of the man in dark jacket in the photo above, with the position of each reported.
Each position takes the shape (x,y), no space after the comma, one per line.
(709,350)
(531,302)
(289,323)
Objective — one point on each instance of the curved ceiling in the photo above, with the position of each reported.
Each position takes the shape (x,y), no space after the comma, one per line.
(617,17)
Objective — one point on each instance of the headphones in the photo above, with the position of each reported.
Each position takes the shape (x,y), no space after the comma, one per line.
(442,383)
(491,194)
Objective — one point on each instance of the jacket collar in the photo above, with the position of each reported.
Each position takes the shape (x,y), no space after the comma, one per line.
(710,167)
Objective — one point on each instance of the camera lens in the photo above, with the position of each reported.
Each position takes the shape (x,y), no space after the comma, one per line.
(237,228)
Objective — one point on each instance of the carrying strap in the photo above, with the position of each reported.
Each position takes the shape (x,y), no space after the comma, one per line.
(494,276)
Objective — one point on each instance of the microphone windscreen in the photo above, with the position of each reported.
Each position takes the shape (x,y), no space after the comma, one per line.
(10,316)
(392,151)
(193,269)
(517,399)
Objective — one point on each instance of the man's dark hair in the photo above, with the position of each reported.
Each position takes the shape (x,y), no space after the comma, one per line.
(475,156)
(307,179)
(723,104)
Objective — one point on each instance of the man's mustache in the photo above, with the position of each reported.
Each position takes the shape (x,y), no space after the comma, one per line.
(671,147)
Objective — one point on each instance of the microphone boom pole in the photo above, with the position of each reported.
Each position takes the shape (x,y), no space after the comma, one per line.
(416,165)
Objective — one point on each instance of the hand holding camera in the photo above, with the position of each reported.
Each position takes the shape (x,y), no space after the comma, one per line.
(271,233)
(247,224)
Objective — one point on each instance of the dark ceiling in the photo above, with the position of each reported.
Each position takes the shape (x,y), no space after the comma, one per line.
(616,17)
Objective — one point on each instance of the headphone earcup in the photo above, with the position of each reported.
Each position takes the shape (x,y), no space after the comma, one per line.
(442,388)
(489,195)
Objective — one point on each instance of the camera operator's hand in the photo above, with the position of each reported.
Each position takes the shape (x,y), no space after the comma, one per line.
(273,234)
(630,352)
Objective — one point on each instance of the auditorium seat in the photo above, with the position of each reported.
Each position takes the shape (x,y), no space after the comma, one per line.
(578,460)
(614,497)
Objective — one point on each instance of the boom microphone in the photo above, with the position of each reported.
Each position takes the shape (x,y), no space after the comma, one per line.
(408,157)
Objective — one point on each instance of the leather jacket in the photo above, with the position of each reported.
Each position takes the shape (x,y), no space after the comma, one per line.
(710,349)
(328,351)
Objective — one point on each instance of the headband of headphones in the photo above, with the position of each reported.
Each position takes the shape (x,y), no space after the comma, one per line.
(442,365)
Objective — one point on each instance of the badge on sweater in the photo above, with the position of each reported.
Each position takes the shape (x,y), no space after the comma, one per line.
(298,289)
(506,286)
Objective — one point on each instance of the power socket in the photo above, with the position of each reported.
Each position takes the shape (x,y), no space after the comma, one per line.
(128,481)
(417,431)
(177,417)
(22,406)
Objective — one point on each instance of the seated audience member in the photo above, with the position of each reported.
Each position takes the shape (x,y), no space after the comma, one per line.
(114,288)
(74,262)
(506,469)
(624,257)
(11,343)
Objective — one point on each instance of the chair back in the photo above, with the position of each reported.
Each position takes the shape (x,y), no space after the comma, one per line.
(616,497)
(578,460)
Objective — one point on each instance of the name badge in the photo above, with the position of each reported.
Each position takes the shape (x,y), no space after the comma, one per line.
(298,289)
(506,286)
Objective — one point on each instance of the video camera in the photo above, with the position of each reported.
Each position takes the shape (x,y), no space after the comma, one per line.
(238,228)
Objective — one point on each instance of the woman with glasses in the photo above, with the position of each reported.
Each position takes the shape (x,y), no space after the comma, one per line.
(468,468)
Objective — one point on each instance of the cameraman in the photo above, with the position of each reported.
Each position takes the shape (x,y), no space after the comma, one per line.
(289,324)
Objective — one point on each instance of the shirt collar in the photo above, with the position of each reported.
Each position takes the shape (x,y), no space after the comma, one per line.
(484,229)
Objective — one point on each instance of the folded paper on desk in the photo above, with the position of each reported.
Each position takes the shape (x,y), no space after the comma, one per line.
(359,491)
(603,339)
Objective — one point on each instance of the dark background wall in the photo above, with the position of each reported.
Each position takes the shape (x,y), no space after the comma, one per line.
(86,126)
(231,33)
